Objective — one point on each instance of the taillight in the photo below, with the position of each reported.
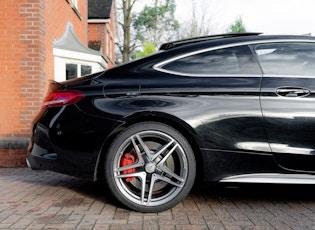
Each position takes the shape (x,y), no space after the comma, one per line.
(59,98)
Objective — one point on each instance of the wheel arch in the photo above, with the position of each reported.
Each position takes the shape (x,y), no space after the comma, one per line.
(181,126)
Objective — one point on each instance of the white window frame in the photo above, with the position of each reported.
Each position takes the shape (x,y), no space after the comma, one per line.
(75,3)
(79,65)
(63,57)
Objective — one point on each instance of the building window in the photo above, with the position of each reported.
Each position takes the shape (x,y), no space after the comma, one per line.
(71,71)
(77,70)
(86,69)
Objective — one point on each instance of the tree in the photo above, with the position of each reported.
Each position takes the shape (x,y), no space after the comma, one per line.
(199,20)
(126,47)
(156,23)
(148,48)
(238,26)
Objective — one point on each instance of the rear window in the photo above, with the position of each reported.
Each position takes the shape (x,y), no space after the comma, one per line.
(234,60)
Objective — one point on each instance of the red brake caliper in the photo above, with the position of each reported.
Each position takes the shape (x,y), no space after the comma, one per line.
(127,159)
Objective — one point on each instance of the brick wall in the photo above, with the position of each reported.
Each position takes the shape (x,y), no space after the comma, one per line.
(28,28)
(97,33)
(22,75)
(112,31)
(56,15)
(105,33)
(100,32)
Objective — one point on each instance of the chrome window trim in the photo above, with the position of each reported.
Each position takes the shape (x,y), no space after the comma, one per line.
(158,66)
(210,75)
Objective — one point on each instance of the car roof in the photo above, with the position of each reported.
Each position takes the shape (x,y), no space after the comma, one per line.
(175,48)
(183,42)
(173,44)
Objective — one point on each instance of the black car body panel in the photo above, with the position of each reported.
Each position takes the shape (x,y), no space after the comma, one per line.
(252,115)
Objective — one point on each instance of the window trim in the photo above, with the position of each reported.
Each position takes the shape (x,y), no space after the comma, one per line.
(159,66)
(74,6)
(62,57)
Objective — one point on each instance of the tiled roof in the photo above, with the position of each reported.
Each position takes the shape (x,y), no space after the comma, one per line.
(70,41)
(99,9)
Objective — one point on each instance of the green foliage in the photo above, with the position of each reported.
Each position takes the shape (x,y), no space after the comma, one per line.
(156,23)
(238,26)
(148,48)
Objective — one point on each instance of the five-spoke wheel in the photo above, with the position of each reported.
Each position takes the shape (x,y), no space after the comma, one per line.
(150,167)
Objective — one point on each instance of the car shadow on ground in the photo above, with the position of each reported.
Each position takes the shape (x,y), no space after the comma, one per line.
(247,193)
(256,192)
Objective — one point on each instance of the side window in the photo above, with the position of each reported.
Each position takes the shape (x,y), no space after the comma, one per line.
(235,60)
(287,58)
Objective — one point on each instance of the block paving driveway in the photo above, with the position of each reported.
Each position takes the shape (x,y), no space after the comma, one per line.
(46,200)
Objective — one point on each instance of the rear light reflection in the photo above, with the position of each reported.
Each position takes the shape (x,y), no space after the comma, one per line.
(59,98)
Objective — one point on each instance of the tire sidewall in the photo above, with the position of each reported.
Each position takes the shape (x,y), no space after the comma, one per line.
(149,126)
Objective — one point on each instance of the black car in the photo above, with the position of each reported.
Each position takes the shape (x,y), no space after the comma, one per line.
(224,108)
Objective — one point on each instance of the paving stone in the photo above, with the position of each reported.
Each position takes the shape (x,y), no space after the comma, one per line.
(47,200)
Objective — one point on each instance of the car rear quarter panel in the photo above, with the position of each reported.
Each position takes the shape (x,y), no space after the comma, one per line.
(224,112)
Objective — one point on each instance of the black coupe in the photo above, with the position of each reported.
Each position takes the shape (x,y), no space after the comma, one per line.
(223,108)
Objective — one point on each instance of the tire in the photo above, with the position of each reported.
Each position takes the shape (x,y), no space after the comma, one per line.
(150,167)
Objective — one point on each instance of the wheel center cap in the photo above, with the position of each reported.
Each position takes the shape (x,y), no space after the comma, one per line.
(150,167)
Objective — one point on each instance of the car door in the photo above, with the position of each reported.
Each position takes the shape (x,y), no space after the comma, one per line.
(222,86)
(288,101)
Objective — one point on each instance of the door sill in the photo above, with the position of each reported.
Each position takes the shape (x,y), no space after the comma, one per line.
(271,178)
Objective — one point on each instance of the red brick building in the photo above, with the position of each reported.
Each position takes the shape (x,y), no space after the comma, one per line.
(44,40)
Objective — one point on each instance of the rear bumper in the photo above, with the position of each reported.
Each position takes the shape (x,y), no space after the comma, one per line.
(69,141)
(40,158)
